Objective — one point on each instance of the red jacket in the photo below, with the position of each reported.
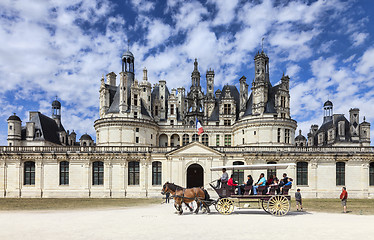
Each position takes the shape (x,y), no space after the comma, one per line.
(231,182)
(344,195)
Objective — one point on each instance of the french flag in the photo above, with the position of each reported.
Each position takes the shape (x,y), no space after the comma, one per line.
(199,127)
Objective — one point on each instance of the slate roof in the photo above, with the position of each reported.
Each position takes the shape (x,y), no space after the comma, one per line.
(47,126)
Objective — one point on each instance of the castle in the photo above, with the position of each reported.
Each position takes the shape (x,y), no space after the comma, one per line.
(147,135)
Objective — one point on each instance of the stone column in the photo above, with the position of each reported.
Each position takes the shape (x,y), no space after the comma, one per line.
(108,177)
(143,175)
(169,140)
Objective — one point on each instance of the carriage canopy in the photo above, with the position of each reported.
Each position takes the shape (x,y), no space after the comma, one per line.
(254,167)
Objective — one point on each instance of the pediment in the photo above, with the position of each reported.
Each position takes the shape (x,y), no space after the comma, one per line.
(195,149)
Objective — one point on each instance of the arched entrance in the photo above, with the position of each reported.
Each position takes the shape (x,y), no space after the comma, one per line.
(195,176)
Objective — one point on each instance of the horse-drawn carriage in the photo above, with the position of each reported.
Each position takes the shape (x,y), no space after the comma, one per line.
(269,201)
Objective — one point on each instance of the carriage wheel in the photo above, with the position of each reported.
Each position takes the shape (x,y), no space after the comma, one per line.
(278,205)
(225,206)
(264,206)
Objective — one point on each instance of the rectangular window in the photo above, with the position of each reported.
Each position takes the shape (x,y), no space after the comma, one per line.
(287,135)
(227,122)
(371,174)
(137,129)
(172,109)
(172,122)
(98,173)
(156,111)
(254,133)
(10,127)
(279,135)
(302,173)
(133,173)
(238,174)
(137,139)
(217,140)
(135,114)
(156,173)
(226,109)
(64,173)
(227,140)
(29,173)
(283,115)
(136,99)
(340,174)
(283,101)
(217,123)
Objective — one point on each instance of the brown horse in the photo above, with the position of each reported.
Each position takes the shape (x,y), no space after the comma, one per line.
(185,195)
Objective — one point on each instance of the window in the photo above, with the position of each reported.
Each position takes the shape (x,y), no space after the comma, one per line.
(10,144)
(97,173)
(133,173)
(172,122)
(287,135)
(254,133)
(226,109)
(29,173)
(279,135)
(156,173)
(371,174)
(10,127)
(135,114)
(227,140)
(283,115)
(238,174)
(204,139)
(137,130)
(227,122)
(195,138)
(185,139)
(136,139)
(136,99)
(283,101)
(340,174)
(64,173)
(156,111)
(217,140)
(217,123)
(172,109)
(243,140)
(271,171)
(302,173)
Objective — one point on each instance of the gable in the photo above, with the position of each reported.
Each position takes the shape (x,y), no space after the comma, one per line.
(195,148)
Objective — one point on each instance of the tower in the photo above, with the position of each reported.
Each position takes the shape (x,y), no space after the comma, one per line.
(104,97)
(56,112)
(261,83)
(210,84)
(145,91)
(128,69)
(195,77)
(327,111)
(14,130)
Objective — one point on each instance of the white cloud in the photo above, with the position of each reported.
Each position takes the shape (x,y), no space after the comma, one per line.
(226,11)
(366,63)
(359,38)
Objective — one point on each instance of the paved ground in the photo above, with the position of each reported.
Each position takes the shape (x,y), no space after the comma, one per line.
(160,222)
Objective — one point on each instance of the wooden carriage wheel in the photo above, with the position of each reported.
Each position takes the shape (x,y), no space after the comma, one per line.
(264,206)
(278,205)
(225,206)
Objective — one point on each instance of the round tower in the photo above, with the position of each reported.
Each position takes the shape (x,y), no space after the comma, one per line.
(14,130)
(56,112)
(128,67)
(327,108)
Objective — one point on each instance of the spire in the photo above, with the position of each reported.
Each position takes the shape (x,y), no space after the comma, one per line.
(195,65)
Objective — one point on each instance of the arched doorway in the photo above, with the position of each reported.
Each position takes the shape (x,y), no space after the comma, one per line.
(195,176)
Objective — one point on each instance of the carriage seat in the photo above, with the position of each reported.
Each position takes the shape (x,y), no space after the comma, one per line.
(261,190)
(247,190)
(286,189)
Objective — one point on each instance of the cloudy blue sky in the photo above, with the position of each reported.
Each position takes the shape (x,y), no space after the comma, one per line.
(50,48)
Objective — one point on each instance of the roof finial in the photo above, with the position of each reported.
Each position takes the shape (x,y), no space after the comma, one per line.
(364,118)
(128,44)
(262,44)
(56,97)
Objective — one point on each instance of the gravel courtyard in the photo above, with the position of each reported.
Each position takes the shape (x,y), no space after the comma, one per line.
(160,222)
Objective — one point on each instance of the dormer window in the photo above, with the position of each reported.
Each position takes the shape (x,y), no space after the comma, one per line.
(227,109)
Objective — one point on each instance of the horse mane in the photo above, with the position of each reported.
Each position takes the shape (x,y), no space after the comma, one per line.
(174,187)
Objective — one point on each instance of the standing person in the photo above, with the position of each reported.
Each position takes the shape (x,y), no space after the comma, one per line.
(343,197)
(224,178)
(167,197)
(298,200)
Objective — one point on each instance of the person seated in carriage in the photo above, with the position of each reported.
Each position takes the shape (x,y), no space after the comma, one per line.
(261,182)
(224,178)
(289,183)
(231,182)
(248,183)
(275,184)
(284,180)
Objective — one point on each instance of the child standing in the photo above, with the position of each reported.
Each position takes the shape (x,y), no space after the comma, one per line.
(298,200)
